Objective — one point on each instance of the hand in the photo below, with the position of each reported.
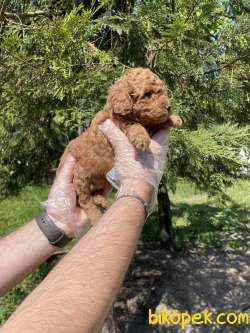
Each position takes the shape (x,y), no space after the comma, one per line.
(61,203)
(134,167)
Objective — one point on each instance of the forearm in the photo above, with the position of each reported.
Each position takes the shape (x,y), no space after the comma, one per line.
(77,295)
(21,252)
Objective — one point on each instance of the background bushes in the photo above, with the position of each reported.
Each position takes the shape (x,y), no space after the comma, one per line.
(58,58)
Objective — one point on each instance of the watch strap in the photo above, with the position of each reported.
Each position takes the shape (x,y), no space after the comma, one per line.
(55,235)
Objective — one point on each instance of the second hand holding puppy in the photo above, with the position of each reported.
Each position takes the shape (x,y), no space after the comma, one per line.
(138,105)
(133,167)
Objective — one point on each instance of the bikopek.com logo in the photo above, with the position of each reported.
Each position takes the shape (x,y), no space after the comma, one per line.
(206,317)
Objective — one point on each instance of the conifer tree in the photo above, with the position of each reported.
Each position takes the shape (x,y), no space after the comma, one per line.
(58,58)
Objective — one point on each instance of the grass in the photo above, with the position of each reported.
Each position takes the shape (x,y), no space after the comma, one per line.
(200,219)
(196,218)
(16,210)
(186,192)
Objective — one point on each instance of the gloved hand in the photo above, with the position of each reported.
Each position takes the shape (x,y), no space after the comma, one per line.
(133,166)
(61,203)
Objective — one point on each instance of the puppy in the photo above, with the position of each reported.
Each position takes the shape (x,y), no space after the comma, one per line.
(137,104)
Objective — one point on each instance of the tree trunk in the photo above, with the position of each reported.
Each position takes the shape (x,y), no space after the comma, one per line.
(165,214)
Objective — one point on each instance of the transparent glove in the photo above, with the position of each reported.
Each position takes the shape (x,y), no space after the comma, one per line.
(133,166)
(61,203)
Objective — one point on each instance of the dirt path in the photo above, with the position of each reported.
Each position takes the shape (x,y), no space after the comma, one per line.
(214,278)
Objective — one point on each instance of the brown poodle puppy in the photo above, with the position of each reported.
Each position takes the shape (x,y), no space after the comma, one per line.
(137,104)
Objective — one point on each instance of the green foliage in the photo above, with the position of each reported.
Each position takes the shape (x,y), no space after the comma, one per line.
(57,64)
(53,82)
(22,207)
(209,156)
(16,210)
(198,218)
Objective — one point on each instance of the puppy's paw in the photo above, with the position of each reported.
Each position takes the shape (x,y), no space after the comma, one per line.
(100,202)
(138,136)
(174,121)
(141,141)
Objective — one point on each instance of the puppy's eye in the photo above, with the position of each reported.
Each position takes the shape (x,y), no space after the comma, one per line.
(148,94)
(133,96)
(169,108)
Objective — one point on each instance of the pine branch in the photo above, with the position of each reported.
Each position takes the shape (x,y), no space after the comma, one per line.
(173,6)
(232,17)
(246,8)
(3,6)
(218,69)
(27,14)
(192,11)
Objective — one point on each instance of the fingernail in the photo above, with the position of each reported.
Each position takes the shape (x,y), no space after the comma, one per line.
(105,125)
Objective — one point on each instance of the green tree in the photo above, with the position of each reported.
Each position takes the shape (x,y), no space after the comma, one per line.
(58,58)
(52,83)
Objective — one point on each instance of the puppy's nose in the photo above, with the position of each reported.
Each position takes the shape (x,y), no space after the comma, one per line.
(168,109)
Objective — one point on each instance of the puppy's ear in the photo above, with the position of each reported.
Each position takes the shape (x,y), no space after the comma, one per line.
(119,100)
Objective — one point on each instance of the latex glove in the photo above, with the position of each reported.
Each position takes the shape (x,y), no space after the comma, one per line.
(133,166)
(61,203)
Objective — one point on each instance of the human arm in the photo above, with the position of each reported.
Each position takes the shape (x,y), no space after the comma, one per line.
(77,295)
(21,252)
(27,247)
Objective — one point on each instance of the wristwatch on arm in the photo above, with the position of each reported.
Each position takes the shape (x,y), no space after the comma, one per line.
(55,235)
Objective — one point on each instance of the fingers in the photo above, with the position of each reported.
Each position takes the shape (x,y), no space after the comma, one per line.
(116,137)
(161,137)
(65,175)
(159,141)
(120,141)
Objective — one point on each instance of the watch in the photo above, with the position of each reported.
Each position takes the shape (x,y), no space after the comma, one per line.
(55,235)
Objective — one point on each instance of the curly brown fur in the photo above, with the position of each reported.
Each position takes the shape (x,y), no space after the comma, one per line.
(137,104)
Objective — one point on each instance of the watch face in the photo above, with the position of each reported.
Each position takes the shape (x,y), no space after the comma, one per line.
(55,235)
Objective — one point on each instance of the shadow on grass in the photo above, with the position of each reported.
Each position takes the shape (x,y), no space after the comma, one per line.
(205,223)
(201,222)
